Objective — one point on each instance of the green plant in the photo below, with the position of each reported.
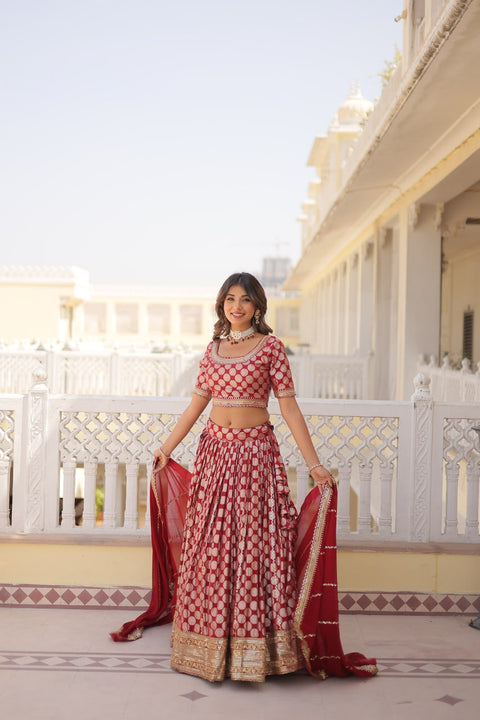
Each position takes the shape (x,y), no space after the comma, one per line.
(389,67)
(99,500)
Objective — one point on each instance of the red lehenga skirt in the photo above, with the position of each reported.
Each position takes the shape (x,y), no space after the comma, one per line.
(251,588)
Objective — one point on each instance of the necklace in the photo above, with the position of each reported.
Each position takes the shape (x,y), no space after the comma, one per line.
(236,336)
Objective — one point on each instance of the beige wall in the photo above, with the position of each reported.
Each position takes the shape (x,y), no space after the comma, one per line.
(31,311)
(118,564)
(464,295)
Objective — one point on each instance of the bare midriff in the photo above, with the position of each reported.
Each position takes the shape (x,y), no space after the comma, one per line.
(238,417)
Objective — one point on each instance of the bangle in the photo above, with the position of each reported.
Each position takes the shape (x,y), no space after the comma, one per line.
(319,464)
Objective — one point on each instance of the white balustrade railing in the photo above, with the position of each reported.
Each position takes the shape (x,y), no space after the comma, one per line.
(150,374)
(102,372)
(331,376)
(451,385)
(408,471)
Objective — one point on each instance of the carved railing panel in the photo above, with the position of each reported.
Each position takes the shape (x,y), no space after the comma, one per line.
(461,469)
(407,471)
(7,430)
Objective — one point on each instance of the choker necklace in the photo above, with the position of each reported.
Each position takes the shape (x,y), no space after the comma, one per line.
(236,336)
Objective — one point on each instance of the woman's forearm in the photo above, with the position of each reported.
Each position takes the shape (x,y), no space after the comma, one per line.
(298,427)
(185,423)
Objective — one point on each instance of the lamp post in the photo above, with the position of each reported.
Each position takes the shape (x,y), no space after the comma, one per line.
(476,623)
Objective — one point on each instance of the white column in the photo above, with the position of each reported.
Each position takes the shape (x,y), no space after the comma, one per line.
(322,316)
(351,335)
(111,319)
(143,329)
(419,283)
(383,319)
(342,309)
(329,310)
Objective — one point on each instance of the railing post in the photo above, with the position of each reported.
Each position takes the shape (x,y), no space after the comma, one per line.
(36,437)
(302,483)
(4,491)
(343,513)
(68,505)
(422,458)
(110,514)
(131,512)
(364,513)
(114,388)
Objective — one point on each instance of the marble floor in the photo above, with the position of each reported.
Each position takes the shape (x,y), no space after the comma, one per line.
(61,664)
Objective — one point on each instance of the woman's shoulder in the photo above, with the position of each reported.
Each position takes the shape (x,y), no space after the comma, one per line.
(274,342)
(208,350)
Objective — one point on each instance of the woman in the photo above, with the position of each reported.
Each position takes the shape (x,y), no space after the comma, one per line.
(236,596)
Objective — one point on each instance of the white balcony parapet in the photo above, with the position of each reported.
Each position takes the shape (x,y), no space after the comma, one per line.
(79,466)
(450,384)
(110,372)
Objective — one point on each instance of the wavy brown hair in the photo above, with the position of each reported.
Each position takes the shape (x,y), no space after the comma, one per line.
(255,292)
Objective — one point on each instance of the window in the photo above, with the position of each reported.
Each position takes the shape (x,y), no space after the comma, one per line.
(467,351)
(159,319)
(126,317)
(95,318)
(191,319)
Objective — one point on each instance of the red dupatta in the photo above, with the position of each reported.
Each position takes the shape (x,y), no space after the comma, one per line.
(168,504)
(316,614)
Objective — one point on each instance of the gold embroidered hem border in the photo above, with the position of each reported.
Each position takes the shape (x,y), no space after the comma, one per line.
(248,659)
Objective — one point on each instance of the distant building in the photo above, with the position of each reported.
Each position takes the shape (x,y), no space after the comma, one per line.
(275,271)
(59,305)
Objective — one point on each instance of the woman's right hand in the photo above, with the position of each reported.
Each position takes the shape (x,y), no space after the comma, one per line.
(160,459)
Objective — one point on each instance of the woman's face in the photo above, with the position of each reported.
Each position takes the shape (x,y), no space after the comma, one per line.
(238,308)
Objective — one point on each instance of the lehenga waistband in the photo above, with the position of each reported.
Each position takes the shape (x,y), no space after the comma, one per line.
(238,434)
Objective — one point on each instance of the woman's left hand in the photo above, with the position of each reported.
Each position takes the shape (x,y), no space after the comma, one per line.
(322,477)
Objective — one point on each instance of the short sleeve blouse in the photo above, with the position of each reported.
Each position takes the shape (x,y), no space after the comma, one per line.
(245,381)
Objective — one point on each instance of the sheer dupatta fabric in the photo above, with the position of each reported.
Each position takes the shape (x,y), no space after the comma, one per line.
(316,619)
(168,504)
(316,616)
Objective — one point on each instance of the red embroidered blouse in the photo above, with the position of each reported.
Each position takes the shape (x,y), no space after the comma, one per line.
(245,381)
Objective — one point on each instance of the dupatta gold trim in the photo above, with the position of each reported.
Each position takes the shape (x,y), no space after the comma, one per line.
(305,590)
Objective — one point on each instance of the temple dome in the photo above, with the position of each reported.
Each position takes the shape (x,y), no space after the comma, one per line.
(355,108)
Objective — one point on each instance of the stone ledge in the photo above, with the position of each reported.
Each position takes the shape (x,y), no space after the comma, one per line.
(142,539)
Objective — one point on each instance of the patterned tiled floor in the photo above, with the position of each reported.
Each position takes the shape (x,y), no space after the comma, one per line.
(62,664)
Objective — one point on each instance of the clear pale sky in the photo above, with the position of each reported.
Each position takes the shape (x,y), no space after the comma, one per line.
(166,142)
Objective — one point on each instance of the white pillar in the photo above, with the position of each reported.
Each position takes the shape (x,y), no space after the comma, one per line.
(342,309)
(383,319)
(419,290)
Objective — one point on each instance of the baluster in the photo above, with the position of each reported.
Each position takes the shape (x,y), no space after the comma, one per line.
(68,508)
(302,483)
(89,509)
(131,503)
(364,521)
(4,492)
(473,472)
(147,510)
(344,474)
(385,519)
(451,514)
(110,515)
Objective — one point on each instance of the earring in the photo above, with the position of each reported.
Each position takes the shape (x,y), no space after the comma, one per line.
(257,317)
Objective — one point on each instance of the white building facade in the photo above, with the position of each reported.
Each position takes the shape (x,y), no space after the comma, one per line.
(391,225)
